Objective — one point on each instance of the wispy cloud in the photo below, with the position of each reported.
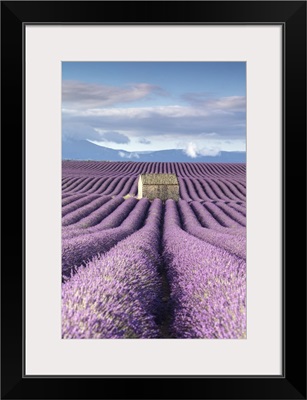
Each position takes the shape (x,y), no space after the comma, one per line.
(82,95)
(193,150)
(204,100)
(160,121)
(128,155)
(223,105)
(232,103)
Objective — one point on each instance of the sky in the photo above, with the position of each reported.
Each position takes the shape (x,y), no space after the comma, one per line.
(199,107)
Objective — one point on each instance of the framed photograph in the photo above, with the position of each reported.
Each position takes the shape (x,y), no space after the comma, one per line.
(162,153)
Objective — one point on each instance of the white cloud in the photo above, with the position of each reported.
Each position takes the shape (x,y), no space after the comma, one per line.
(232,103)
(229,103)
(174,111)
(128,155)
(193,150)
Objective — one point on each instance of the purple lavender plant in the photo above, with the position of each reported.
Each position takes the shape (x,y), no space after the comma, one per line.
(208,284)
(117,295)
(79,249)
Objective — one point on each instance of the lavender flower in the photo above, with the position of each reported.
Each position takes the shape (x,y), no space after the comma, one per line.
(117,295)
(208,284)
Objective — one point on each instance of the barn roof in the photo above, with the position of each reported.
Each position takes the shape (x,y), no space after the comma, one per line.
(159,179)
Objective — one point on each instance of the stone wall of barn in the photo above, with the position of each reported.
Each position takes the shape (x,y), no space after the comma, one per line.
(140,188)
(162,192)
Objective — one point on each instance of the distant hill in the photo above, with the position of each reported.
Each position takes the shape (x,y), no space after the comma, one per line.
(85,150)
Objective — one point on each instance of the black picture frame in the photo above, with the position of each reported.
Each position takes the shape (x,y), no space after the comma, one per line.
(292,383)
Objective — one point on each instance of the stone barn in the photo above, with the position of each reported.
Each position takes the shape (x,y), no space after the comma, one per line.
(161,186)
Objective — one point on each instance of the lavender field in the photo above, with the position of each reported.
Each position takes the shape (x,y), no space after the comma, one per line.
(135,268)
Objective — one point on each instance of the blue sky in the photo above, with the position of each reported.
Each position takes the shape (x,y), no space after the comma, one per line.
(199,107)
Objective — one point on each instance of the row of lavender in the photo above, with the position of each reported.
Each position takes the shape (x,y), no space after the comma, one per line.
(198,182)
(205,189)
(118,254)
(92,225)
(107,168)
(118,293)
